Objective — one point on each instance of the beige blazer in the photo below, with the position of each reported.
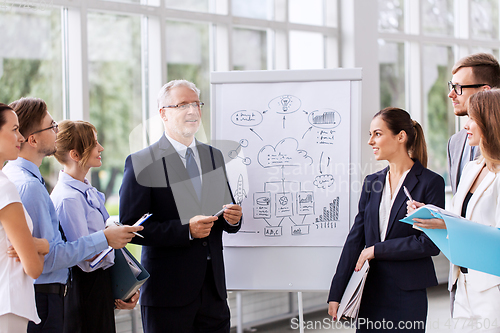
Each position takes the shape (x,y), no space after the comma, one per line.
(484,208)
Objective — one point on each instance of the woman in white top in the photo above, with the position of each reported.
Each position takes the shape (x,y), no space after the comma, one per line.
(17,305)
(476,303)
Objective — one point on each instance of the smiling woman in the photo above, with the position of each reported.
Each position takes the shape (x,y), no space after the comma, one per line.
(81,212)
(401,267)
(15,229)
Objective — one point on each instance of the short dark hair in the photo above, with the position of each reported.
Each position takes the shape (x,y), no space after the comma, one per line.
(30,113)
(3,108)
(484,66)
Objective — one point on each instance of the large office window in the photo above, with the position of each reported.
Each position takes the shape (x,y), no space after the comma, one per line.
(115,96)
(188,57)
(419,43)
(31,63)
(439,119)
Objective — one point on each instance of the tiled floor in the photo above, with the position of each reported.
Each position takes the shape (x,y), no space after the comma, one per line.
(437,318)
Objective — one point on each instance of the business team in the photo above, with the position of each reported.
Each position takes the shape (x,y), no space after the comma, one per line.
(183,182)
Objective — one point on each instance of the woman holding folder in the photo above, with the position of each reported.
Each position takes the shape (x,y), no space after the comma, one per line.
(476,295)
(89,304)
(401,267)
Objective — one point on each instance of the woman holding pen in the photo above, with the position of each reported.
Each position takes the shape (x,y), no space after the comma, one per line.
(401,267)
(80,207)
(476,295)
(16,278)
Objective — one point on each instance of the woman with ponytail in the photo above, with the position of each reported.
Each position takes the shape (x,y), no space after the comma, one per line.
(476,295)
(400,261)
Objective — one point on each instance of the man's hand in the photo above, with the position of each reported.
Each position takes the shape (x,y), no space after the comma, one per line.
(332,309)
(130,304)
(200,226)
(118,237)
(232,214)
(41,246)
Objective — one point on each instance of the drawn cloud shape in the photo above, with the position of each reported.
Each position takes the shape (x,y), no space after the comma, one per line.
(285,104)
(286,153)
(323,181)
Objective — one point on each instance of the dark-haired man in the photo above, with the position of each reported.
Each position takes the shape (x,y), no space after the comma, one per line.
(476,72)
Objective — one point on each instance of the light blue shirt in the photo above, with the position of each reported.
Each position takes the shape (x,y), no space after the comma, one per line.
(81,212)
(35,198)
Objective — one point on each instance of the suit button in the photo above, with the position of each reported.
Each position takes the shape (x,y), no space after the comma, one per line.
(205,243)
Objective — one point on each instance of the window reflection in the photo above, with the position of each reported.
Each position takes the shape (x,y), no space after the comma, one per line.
(438,17)
(306,12)
(188,57)
(249,49)
(484,19)
(306,50)
(391,15)
(191,5)
(439,123)
(392,74)
(32,67)
(259,9)
(114,69)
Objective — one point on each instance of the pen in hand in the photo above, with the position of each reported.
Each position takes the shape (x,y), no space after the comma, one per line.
(121,225)
(407,194)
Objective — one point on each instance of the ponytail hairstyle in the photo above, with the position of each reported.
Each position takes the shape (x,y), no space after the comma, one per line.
(78,135)
(398,120)
(484,110)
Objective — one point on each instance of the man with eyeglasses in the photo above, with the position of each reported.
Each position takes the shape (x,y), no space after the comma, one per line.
(40,132)
(471,74)
(183,183)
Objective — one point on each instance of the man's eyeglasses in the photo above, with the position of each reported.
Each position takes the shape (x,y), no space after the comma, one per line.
(54,126)
(458,88)
(196,105)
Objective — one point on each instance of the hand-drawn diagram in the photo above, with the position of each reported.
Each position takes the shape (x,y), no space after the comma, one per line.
(293,191)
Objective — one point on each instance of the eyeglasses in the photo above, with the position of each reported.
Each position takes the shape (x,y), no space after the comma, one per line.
(54,126)
(458,88)
(196,105)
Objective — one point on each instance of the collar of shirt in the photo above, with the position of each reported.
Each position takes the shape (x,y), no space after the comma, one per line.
(29,166)
(94,198)
(180,148)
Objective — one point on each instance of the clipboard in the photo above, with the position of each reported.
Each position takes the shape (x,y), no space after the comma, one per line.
(127,275)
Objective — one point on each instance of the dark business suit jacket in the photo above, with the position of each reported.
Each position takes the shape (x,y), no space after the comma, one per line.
(156,181)
(454,151)
(406,252)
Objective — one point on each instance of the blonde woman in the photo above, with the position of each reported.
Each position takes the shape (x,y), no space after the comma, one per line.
(16,279)
(476,304)
(80,208)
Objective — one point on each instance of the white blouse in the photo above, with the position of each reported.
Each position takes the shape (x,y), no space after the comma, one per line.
(386,203)
(16,287)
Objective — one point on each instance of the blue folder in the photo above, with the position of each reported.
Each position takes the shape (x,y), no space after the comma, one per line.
(123,280)
(465,243)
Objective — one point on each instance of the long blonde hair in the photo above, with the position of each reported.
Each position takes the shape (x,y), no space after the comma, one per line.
(484,110)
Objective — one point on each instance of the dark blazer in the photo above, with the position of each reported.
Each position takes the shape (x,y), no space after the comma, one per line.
(406,252)
(156,181)
(454,151)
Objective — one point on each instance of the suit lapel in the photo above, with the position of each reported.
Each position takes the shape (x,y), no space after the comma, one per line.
(485,183)
(177,172)
(376,194)
(410,182)
(206,167)
(458,150)
(465,185)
